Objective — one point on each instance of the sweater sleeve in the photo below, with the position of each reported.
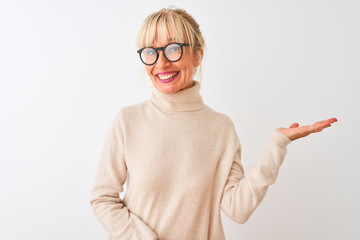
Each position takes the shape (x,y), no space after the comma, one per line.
(107,206)
(244,192)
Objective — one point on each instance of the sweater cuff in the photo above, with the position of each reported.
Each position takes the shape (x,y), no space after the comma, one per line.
(280,139)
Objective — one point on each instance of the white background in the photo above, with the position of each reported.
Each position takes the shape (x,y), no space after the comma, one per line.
(66,67)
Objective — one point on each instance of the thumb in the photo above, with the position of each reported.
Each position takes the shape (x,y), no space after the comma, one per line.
(294,125)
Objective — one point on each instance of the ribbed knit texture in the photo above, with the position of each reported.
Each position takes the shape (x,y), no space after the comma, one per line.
(181,161)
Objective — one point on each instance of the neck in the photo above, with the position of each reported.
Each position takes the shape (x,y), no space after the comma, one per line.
(185,100)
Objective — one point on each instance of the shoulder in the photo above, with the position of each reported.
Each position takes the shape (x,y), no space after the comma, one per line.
(128,112)
(220,118)
(131,110)
(224,126)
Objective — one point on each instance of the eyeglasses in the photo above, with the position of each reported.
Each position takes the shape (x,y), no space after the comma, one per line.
(172,52)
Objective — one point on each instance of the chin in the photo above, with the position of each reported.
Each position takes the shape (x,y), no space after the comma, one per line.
(169,90)
(165,87)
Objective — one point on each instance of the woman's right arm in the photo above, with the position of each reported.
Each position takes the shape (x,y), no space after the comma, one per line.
(109,209)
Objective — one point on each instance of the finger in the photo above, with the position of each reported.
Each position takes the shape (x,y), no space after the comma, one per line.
(322,122)
(319,126)
(327,121)
(332,120)
(294,125)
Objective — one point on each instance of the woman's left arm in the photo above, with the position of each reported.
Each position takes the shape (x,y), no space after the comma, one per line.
(243,192)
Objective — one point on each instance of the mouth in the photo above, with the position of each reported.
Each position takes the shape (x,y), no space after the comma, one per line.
(167,76)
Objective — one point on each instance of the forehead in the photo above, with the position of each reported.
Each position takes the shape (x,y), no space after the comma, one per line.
(162,34)
(161,42)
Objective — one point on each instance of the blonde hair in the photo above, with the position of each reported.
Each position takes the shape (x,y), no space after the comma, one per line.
(173,23)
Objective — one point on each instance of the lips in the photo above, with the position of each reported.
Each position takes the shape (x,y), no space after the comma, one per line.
(166,77)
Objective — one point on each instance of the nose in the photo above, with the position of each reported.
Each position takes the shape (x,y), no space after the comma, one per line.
(162,62)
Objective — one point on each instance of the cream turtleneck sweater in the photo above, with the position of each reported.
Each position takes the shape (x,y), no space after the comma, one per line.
(181,161)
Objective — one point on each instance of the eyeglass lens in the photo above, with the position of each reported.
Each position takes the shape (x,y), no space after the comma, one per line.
(172,52)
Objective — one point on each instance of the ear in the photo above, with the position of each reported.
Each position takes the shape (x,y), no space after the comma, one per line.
(199,57)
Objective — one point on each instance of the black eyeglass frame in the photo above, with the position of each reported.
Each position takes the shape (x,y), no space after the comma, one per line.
(162,48)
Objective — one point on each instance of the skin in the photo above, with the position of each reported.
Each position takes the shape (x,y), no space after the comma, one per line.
(186,68)
(295,131)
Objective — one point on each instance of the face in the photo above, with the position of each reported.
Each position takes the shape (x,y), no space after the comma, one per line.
(170,77)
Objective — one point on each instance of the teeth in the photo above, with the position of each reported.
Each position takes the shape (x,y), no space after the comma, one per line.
(164,77)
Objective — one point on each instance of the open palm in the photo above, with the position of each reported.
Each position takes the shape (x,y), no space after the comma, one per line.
(295,132)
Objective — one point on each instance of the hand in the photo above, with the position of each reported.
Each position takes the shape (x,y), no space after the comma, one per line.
(295,132)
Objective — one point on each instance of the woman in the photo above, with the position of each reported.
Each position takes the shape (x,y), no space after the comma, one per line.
(180,158)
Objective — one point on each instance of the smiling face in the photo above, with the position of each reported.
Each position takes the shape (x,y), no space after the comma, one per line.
(170,77)
(168,26)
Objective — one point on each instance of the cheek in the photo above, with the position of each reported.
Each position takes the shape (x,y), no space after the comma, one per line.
(148,71)
(189,71)
(187,68)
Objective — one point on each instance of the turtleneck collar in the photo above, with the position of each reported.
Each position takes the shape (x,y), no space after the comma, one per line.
(185,100)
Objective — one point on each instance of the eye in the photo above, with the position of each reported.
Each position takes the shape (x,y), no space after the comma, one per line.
(174,48)
(149,52)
